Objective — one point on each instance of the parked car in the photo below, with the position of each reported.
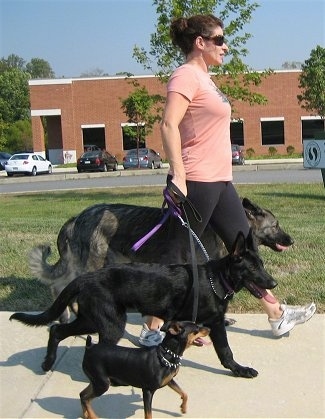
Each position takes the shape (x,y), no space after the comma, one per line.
(148,159)
(28,164)
(91,147)
(96,161)
(4,157)
(237,154)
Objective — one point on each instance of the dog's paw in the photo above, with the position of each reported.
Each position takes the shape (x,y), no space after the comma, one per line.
(245,372)
(229,321)
(48,363)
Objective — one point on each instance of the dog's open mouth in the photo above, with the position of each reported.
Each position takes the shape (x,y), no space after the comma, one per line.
(201,342)
(280,247)
(255,290)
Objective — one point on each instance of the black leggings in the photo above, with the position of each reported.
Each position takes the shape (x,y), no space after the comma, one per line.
(218,204)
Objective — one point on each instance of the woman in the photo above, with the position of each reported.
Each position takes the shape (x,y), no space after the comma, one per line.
(195,132)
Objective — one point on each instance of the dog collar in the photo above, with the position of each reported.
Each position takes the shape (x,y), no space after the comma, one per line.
(228,292)
(168,363)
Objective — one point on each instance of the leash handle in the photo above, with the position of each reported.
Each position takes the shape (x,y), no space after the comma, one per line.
(180,198)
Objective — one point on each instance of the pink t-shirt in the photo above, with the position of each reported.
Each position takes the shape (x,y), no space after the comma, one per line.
(205,128)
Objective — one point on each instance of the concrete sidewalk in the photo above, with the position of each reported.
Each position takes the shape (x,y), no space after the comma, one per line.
(290,384)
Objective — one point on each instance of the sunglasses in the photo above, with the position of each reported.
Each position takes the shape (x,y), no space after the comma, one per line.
(218,40)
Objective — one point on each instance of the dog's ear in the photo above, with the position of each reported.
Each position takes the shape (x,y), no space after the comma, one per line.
(249,214)
(174,328)
(239,246)
(248,207)
(251,242)
(242,244)
(251,208)
(170,325)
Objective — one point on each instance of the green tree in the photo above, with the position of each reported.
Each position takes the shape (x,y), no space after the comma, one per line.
(312,83)
(95,72)
(39,69)
(3,138)
(143,110)
(13,61)
(14,99)
(163,57)
(291,65)
(19,136)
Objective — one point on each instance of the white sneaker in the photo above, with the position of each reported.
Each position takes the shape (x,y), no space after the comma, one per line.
(291,316)
(150,337)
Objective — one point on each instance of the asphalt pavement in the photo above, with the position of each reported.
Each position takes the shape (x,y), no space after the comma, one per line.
(290,384)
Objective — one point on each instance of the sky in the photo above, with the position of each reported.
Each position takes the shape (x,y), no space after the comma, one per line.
(79,36)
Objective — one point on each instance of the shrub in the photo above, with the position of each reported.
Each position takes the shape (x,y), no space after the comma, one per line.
(250,152)
(272,151)
(290,150)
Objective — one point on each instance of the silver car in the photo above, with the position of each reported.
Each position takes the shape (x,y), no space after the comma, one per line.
(27,164)
(143,158)
(4,157)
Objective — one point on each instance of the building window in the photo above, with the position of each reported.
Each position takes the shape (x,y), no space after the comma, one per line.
(309,126)
(237,132)
(94,135)
(272,130)
(130,132)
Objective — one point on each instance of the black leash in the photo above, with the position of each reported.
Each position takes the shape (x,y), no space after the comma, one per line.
(175,201)
(181,199)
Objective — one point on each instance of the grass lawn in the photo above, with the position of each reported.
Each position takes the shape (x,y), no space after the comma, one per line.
(31,219)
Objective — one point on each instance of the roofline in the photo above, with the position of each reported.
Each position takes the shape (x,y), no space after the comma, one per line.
(43,82)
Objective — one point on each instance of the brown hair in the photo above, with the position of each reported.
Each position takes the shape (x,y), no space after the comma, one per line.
(183,31)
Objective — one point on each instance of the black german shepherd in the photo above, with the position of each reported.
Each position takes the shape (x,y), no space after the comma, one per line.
(166,291)
(105,233)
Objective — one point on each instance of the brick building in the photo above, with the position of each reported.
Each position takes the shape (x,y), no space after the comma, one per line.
(88,111)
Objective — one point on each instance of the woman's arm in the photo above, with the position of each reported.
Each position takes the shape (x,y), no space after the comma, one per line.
(175,108)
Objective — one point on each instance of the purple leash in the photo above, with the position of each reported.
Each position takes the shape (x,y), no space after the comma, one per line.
(173,209)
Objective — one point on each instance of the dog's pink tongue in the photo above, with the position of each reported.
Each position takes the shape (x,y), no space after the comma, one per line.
(269,298)
(280,247)
(201,342)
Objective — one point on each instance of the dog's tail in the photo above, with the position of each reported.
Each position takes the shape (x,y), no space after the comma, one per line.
(39,266)
(38,256)
(54,312)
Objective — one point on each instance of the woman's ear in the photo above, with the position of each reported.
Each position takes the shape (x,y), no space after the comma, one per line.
(199,43)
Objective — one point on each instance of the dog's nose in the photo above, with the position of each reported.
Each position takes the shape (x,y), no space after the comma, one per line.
(272,284)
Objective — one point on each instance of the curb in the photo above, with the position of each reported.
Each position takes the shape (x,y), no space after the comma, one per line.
(72,174)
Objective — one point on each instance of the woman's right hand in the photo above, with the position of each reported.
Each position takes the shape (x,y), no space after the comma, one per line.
(180,189)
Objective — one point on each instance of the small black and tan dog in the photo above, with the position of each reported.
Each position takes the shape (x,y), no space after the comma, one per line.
(145,368)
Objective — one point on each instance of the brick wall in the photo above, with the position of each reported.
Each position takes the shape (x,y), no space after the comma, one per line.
(98,101)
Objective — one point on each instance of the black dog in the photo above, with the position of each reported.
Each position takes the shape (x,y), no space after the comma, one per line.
(145,368)
(164,291)
(105,233)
